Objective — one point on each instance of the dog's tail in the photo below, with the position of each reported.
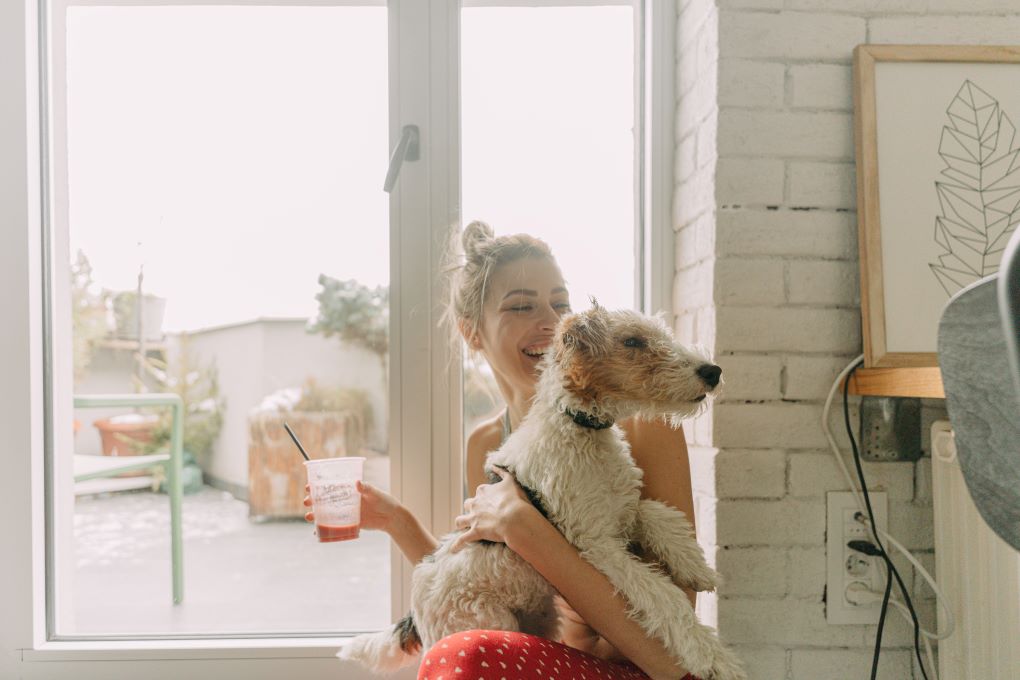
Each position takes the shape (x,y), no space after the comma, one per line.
(387,651)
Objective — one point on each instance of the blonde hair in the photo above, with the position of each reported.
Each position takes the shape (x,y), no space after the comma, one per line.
(472,266)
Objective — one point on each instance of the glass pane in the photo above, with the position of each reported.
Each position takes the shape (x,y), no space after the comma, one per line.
(548,136)
(226,163)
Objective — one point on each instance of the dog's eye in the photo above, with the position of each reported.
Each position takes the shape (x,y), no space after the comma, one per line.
(634,342)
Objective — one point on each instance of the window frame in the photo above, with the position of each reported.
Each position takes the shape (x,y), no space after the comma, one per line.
(423,206)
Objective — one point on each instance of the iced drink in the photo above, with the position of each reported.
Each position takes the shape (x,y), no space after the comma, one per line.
(335,498)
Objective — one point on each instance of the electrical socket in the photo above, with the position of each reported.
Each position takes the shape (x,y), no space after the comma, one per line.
(844,565)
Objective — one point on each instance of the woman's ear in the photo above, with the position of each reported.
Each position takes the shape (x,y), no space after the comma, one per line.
(470,335)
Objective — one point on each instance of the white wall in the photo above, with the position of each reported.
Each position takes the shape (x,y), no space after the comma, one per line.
(256,359)
(767,275)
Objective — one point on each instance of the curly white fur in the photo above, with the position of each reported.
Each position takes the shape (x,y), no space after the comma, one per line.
(589,486)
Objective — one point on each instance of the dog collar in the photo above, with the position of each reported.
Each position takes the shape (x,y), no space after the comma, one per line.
(587,420)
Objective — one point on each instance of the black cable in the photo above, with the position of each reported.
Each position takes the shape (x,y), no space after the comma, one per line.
(874,530)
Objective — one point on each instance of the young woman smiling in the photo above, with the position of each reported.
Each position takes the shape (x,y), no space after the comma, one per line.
(506,299)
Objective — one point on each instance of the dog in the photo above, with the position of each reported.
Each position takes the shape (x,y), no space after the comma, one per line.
(575,466)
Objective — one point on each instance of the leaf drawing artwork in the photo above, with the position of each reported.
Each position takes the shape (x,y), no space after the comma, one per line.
(981,201)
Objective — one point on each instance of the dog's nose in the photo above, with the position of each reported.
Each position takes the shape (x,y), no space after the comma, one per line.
(710,374)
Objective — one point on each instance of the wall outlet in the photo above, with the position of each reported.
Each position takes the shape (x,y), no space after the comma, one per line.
(846,566)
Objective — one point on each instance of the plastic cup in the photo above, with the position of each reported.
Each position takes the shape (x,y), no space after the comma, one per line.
(335,498)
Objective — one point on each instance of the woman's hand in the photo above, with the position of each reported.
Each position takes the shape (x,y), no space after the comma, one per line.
(378,509)
(575,632)
(493,510)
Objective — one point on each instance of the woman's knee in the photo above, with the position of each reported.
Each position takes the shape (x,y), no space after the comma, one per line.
(456,653)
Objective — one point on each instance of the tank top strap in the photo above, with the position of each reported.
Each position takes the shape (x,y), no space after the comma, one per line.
(506,424)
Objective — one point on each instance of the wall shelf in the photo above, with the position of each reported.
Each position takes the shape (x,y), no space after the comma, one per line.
(898,382)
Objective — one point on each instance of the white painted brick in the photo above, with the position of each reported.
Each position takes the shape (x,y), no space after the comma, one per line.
(686,247)
(813,474)
(750,474)
(762,663)
(912,525)
(922,590)
(823,282)
(761,329)
(693,286)
(860,6)
(685,161)
(988,30)
(746,281)
(822,185)
(821,86)
(747,83)
(971,6)
(706,144)
(695,197)
(769,425)
(789,35)
(743,181)
(922,481)
(685,326)
(750,377)
(750,4)
(813,664)
(807,572)
(702,464)
(757,572)
(821,134)
(692,23)
(811,377)
(899,631)
(785,522)
(813,233)
(784,622)
(705,327)
(692,108)
(929,672)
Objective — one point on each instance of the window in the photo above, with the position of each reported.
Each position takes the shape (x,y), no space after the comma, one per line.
(163,129)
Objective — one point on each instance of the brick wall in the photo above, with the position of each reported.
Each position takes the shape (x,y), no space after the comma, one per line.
(767,277)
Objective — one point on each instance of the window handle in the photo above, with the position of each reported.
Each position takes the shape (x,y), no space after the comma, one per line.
(407,149)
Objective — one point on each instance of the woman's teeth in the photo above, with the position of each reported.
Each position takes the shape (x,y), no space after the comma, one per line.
(534,351)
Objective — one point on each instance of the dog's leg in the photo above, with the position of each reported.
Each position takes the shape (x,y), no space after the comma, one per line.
(664,611)
(666,532)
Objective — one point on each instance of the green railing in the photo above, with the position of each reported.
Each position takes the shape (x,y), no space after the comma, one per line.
(173,466)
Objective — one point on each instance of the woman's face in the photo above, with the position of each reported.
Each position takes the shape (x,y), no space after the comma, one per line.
(523,302)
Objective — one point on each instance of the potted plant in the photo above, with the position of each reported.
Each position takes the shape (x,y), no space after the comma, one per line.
(89,315)
(330,422)
(198,387)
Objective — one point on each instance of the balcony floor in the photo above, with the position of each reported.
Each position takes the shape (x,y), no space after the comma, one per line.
(239,576)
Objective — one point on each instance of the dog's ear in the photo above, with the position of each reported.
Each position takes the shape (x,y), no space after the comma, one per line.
(587,332)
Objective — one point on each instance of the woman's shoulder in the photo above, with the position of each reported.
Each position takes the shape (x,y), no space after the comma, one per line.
(487,435)
(661,453)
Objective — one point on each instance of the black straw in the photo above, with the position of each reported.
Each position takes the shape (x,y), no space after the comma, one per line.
(294,437)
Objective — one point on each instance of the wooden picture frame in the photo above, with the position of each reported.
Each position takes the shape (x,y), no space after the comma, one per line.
(901,92)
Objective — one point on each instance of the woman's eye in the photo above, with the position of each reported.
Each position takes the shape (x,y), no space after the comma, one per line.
(563,306)
(634,342)
(521,308)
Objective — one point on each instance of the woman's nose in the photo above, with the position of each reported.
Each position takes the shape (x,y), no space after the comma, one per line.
(549,318)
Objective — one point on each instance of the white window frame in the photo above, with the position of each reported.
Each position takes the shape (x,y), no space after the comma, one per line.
(425,437)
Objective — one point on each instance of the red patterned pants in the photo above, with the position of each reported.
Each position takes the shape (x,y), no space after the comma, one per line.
(498,655)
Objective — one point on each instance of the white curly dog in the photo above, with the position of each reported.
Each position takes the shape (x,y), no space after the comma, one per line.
(576,467)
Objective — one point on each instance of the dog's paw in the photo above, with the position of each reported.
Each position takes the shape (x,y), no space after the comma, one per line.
(702,580)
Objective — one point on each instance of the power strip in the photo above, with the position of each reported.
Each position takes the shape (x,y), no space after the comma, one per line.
(846,566)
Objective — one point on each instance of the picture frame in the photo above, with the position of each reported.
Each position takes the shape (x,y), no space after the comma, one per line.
(938,185)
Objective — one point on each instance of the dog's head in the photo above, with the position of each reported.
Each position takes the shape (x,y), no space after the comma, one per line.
(618,363)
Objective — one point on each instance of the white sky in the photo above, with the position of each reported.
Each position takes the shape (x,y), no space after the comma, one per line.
(239,152)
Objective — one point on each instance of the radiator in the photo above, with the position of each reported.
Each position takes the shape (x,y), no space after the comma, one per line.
(979,574)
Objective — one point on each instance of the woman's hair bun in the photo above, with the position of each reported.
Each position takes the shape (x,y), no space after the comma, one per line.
(477,237)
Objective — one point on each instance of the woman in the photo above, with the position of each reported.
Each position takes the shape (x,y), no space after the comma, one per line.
(506,299)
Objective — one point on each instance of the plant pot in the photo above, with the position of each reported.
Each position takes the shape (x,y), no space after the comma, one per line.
(125,312)
(125,436)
